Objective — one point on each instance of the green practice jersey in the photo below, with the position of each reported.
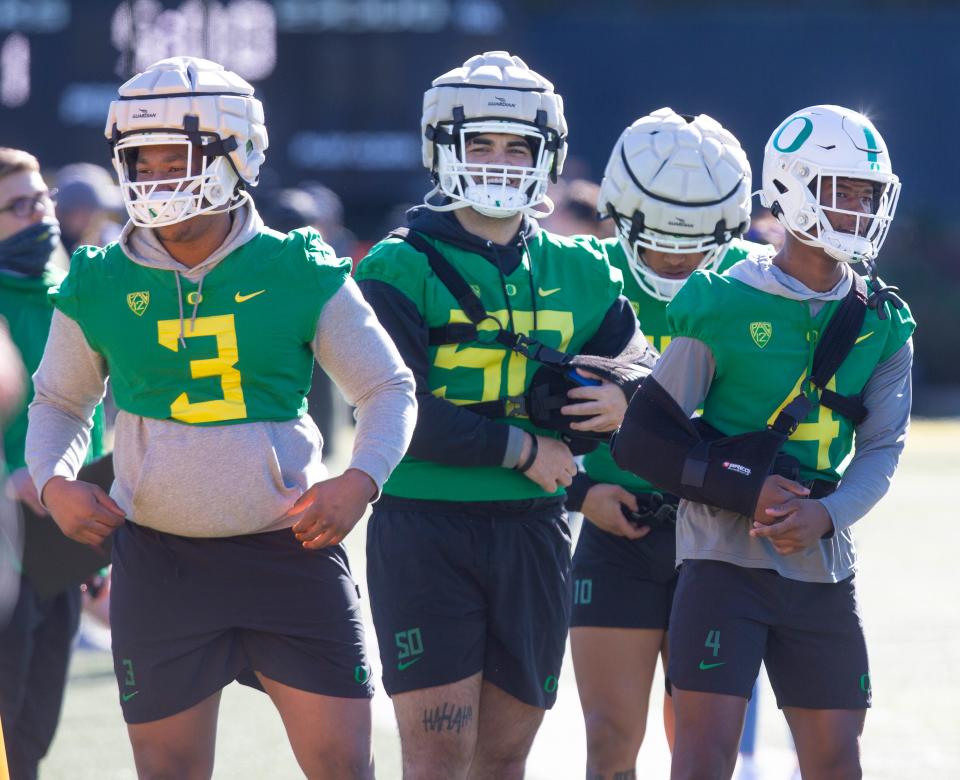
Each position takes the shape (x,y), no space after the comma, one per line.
(246,357)
(763,346)
(26,307)
(652,314)
(559,294)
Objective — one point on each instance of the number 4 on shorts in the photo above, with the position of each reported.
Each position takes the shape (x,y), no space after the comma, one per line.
(713,642)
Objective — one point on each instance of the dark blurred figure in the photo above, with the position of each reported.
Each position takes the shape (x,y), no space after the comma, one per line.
(13,380)
(576,210)
(35,641)
(328,219)
(88,205)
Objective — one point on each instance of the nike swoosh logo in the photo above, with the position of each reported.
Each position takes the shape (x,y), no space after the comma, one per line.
(544,293)
(704,667)
(128,696)
(241,298)
(864,337)
(406,664)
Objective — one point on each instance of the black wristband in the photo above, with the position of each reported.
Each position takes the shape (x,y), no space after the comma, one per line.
(577,492)
(524,467)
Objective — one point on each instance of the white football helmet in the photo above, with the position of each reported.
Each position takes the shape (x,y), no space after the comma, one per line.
(492,92)
(829,143)
(679,185)
(208,110)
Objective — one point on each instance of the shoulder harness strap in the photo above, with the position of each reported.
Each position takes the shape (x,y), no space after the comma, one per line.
(458,332)
(835,344)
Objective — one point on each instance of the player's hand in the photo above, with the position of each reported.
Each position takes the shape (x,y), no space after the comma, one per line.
(603,506)
(553,467)
(799,523)
(329,510)
(775,491)
(604,404)
(20,487)
(84,512)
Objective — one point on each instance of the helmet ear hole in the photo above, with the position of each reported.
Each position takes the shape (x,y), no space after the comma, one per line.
(781,187)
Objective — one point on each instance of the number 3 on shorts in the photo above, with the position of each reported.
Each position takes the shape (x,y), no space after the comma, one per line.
(231,406)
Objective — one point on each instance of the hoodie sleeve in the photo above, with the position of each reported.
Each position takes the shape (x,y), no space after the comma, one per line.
(68,385)
(380,385)
(444,433)
(879,441)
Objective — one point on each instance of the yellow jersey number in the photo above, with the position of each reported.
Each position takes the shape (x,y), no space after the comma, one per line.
(231,406)
(491,360)
(823,431)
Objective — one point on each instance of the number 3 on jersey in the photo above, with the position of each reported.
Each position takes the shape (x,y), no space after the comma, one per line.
(231,406)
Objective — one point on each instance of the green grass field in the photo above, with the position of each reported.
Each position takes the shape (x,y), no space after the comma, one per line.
(908,585)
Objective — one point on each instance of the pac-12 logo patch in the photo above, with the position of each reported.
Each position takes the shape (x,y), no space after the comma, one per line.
(761,333)
(138,302)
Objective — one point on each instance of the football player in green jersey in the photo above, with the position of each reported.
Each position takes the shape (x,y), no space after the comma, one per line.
(227,530)
(678,191)
(778,586)
(468,554)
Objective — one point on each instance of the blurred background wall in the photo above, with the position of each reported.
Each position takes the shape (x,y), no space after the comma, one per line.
(342,83)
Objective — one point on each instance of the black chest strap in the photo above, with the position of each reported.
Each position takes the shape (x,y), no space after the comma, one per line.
(835,344)
(469,301)
(462,332)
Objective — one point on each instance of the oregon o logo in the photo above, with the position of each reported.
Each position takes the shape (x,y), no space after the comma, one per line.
(361,674)
(550,684)
(193,298)
(802,134)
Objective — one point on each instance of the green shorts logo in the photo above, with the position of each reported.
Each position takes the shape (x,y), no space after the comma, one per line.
(361,674)
(550,684)
(409,648)
(865,682)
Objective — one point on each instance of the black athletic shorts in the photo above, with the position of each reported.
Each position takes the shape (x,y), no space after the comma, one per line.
(458,589)
(727,619)
(189,616)
(623,583)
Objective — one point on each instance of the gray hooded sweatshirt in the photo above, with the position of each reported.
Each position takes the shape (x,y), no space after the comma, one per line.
(213,481)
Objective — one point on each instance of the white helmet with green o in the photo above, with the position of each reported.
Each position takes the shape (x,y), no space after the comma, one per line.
(817,146)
